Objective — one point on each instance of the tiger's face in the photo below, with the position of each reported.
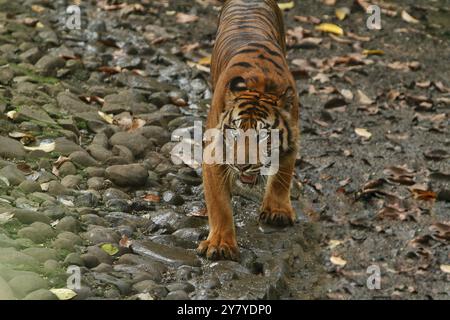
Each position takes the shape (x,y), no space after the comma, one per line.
(263,117)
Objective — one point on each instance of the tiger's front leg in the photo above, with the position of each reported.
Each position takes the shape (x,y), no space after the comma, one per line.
(276,207)
(221,242)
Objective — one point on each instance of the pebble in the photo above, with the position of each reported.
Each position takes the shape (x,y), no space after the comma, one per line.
(25,284)
(96,183)
(55,188)
(37,232)
(41,254)
(14,176)
(169,255)
(100,254)
(41,294)
(136,142)
(87,199)
(74,259)
(98,234)
(95,172)
(149,286)
(30,216)
(177,295)
(66,147)
(71,181)
(134,175)
(67,168)
(83,159)
(6,292)
(29,186)
(68,224)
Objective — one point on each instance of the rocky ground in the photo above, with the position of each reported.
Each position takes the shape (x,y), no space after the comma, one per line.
(86,178)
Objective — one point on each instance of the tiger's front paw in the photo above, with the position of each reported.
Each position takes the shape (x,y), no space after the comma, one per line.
(279,217)
(219,247)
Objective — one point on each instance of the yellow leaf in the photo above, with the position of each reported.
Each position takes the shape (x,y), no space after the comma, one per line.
(46,147)
(64,293)
(342,13)
(445,268)
(363,133)
(373,52)
(338,261)
(330,28)
(286,5)
(205,61)
(109,249)
(38,9)
(107,117)
(334,243)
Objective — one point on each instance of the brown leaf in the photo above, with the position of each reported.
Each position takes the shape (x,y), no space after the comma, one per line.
(440,230)
(110,70)
(392,212)
(401,175)
(424,195)
(200,213)
(125,242)
(152,198)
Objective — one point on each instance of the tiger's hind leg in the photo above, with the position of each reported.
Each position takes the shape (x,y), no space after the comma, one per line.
(221,242)
(276,206)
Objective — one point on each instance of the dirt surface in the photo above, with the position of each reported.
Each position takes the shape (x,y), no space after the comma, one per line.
(372,181)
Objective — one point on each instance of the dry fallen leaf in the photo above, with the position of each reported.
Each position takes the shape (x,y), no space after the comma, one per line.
(152,198)
(125,242)
(205,61)
(5,217)
(330,28)
(347,94)
(110,70)
(286,5)
(363,98)
(38,9)
(185,18)
(338,261)
(424,195)
(12,114)
(109,249)
(64,293)
(46,147)
(373,52)
(342,13)
(363,133)
(334,243)
(107,117)
(408,18)
(445,268)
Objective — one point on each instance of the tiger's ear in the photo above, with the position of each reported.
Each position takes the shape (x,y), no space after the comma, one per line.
(237,85)
(288,99)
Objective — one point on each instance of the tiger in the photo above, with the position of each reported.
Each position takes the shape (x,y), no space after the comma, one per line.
(252,89)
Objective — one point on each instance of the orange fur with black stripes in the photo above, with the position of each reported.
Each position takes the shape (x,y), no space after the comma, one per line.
(253,88)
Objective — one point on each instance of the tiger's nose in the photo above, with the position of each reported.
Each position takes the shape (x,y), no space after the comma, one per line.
(243,167)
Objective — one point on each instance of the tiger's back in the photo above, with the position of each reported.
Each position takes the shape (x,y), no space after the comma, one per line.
(248,27)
